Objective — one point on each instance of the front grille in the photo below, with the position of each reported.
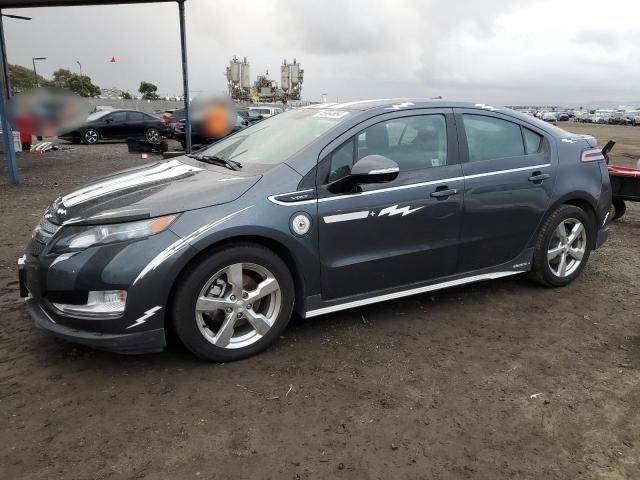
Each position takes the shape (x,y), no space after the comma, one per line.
(35,248)
(42,235)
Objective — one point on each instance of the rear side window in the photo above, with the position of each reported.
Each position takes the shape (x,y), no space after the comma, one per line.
(532,140)
(135,116)
(489,138)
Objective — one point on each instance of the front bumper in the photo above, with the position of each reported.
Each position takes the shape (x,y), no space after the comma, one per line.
(132,343)
(51,279)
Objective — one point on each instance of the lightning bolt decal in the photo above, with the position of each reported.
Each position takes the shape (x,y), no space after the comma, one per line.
(394,210)
(398,106)
(148,314)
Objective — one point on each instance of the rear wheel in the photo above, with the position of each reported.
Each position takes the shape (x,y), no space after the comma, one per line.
(233,304)
(152,135)
(619,208)
(563,246)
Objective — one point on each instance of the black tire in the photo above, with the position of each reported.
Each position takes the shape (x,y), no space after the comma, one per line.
(619,208)
(542,272)
(197,276)
(90,136)
(152,136)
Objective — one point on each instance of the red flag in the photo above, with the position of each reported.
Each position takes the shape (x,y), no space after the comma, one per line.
(113,60)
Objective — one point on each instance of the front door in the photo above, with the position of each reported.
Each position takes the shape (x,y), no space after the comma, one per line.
(509,177)
(114,125)
(392,234)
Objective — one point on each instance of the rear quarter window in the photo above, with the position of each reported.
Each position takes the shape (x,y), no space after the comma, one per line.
(490,137)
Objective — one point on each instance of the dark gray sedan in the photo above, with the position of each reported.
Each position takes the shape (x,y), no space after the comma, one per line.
(315,210)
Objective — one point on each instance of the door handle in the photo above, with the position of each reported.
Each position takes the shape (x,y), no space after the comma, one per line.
(443,192)
(539,177)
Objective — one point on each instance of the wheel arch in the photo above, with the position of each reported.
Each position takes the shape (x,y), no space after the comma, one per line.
(577,199)
(274,245)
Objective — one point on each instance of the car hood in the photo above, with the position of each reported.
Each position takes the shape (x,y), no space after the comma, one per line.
(160,188)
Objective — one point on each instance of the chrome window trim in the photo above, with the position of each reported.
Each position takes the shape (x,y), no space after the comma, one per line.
(407,293)
(272,198)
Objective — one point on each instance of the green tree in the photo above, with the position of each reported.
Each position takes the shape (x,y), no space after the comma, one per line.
(148,91)
(61,78)
(21,78)
(126,96)
(82,85)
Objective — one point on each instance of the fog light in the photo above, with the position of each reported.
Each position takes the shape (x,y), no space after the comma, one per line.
(101,304)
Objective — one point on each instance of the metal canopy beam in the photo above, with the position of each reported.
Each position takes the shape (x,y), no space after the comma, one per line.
(4,80)
(70,3)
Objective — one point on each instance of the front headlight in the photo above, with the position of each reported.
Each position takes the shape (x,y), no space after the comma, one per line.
(79,238)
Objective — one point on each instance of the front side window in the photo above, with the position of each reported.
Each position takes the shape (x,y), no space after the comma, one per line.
(414,143)
(490,138)
(118,117)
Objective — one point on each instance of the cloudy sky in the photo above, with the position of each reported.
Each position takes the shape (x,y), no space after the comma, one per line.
(499,51)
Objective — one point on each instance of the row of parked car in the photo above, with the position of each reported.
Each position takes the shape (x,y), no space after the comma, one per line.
(610,117)
(133,124)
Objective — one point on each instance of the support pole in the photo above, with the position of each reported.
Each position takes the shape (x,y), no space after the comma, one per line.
(5,64)
(7,132)
(185,76)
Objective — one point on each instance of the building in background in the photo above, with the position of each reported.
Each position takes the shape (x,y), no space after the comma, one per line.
(238,82)
(291,78)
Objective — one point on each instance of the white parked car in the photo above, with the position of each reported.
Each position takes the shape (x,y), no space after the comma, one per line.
(267,111)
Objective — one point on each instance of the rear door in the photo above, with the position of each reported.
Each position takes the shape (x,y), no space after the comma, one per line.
(398,233)
(509,176)
(137,124)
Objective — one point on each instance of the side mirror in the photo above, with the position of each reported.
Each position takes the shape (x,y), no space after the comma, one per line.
(374,169)
(369,169)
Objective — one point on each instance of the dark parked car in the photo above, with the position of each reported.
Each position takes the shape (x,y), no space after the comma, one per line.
(118,125)
(171,117)
(315,210)
(199,138)
(251,115)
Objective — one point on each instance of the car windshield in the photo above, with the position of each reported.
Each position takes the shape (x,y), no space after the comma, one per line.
(97,115)
(274,140)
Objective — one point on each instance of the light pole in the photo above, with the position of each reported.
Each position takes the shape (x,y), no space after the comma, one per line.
(5,65)
(80,65)
(35,74)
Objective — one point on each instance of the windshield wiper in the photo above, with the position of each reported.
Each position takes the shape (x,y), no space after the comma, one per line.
(215,160)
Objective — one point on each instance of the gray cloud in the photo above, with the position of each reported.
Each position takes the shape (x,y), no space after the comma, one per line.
(503,51)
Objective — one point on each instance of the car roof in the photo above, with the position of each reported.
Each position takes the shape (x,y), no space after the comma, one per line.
(398,103)
(386,104)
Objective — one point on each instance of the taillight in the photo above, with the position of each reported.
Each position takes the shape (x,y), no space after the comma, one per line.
(592,155)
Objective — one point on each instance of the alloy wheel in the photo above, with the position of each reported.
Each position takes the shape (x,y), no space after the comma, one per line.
(153,135)
(91,136)
(567,247)
(238,305)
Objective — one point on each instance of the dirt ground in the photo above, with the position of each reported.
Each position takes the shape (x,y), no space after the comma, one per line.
(499,380)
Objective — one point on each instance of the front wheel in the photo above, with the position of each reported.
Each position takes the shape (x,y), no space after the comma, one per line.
(233,304)
(563,246)
(90,136)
